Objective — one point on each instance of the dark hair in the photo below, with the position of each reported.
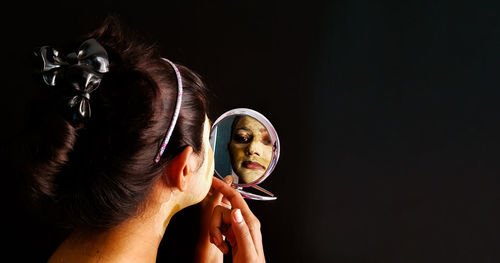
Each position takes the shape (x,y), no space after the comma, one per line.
(233,125)
(99,173)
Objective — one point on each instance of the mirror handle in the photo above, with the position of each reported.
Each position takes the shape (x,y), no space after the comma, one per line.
(254,196)
(262,190)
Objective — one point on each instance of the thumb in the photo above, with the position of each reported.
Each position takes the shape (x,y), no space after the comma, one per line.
(241,232)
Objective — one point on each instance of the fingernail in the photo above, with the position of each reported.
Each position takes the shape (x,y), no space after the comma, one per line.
(228,179)
(237,216)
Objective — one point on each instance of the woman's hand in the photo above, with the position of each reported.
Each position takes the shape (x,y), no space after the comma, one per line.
(205,250)
(239,225)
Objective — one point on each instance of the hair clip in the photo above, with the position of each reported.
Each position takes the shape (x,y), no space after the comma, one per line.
(82,70)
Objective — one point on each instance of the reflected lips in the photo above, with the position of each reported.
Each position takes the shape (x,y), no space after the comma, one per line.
(253,165)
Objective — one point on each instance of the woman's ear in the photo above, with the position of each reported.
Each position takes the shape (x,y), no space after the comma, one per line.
(180,168)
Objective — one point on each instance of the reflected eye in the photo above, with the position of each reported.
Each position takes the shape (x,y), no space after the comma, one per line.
(266,140)
(242,138)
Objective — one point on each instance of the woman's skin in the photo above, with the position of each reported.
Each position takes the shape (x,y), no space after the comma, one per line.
(250,149)
(184,183)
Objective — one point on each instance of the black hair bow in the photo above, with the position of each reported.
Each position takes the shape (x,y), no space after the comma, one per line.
(82,71)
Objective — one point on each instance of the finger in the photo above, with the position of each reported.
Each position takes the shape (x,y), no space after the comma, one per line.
(233,196)
(211,191)
(256,235)
(225,202)
(217,197)
(254,226)
(221,216)
(244,240)
(230,237)
(228,180)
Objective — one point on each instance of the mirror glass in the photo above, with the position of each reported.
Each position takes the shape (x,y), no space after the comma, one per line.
(246,147)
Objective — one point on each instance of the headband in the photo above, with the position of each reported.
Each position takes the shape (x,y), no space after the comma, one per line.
(176,112)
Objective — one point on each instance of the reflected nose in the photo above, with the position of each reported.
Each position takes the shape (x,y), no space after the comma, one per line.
(253,148)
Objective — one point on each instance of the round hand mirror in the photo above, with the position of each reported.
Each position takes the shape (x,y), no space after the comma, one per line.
(246,147)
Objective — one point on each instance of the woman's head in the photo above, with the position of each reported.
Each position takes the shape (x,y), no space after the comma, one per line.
(250,148)
(101,172)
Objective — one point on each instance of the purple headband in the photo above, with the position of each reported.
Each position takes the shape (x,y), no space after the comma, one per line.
(176,112)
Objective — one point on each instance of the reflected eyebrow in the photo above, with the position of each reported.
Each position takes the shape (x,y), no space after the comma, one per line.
(244,128)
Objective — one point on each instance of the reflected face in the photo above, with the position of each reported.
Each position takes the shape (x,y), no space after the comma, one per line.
(250,149)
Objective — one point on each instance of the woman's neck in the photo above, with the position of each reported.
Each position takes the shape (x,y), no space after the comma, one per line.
(135,240)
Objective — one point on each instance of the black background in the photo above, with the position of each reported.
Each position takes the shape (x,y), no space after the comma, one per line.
(387,112)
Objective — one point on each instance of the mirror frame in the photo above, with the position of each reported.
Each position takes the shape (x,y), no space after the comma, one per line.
(272,133)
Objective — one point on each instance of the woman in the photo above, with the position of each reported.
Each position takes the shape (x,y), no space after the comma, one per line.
(119,144)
